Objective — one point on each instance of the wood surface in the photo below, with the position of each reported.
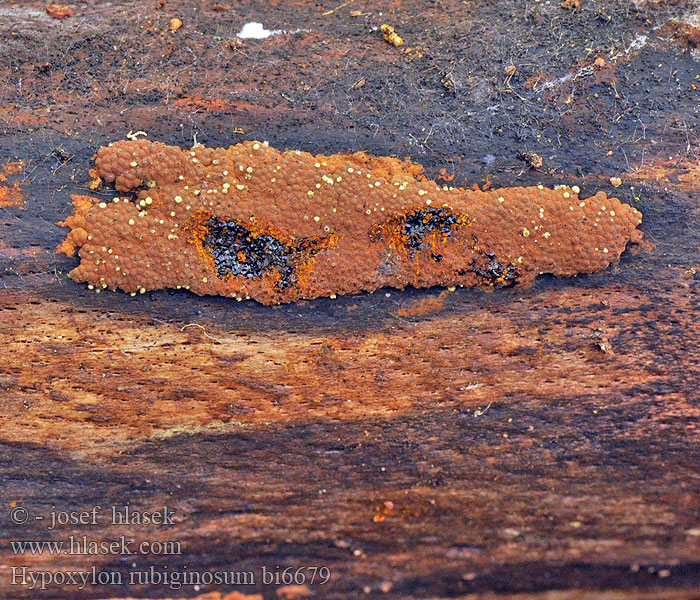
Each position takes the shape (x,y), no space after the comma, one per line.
(518,443)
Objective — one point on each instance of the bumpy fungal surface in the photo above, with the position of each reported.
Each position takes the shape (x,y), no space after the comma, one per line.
(252,222)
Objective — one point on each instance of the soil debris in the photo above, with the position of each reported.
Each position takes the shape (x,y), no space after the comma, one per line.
(532,158)
(59,11)
(391,36)
(572,5)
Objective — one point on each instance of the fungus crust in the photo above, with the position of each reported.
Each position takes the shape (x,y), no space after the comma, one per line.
(252,222)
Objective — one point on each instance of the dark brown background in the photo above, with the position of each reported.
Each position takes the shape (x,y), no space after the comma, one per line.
(527,440)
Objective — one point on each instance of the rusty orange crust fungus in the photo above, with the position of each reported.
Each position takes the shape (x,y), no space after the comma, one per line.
(10,195)
(252,222)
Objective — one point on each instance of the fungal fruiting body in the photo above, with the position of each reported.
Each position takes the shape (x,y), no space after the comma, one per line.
(252,222)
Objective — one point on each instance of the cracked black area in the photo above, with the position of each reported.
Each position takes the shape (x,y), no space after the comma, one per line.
(495,272)
(238,250)
(409,230)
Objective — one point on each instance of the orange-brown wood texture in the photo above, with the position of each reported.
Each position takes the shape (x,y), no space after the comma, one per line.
(512,443)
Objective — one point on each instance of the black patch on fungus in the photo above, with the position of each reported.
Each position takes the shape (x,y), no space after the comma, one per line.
(495,272)
(418,223)
(239,251)
(413,226)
